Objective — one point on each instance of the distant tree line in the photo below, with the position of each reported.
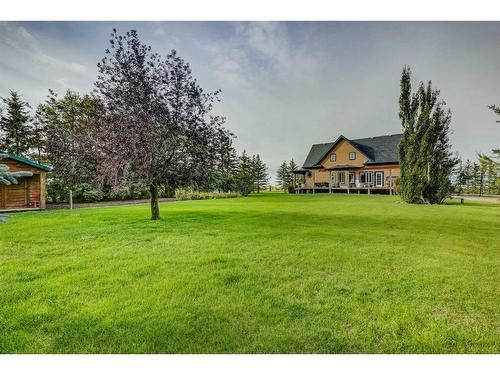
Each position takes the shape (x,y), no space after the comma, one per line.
(479,177)
(146,130)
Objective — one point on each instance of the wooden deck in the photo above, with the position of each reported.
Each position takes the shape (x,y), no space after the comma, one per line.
(345,190)
(21,209)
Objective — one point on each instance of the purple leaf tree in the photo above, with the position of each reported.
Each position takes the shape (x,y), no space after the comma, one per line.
(157,128)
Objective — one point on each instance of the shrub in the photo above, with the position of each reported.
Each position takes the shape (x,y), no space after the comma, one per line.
(188,194)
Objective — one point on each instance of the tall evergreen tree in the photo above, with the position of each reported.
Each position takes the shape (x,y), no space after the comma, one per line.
(425,158)
(260,172)
(292,167)
(282,176)
(16,133)
(227,161)
(244,178)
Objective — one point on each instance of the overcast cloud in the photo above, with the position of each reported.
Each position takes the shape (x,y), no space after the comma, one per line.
(286,85)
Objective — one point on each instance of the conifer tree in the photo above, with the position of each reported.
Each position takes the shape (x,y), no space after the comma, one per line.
(15,128)
(282,176)
(292,167)
(244,179)
(227,161)
(260,172)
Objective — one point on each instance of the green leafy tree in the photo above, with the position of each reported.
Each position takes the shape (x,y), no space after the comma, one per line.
(260,172)
(425,157)
(16,133)
(67,124)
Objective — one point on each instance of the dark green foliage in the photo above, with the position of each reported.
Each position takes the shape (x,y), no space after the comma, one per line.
(495,109)
(261,176)
(227,162)
(282,179)
(244,178)
(16,133)
(285,177)
(66,124)
(424,152)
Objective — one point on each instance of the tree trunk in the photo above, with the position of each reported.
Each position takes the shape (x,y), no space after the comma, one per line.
(155,209)
(71,199)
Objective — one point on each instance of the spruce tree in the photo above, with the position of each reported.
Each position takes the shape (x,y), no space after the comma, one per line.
(15,128)
(292,167)
(260,172)
(282,176)
(227,162)
(244,179)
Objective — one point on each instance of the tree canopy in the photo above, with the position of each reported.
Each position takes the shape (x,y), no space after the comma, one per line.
(425,154)
(157,128)
(16,134)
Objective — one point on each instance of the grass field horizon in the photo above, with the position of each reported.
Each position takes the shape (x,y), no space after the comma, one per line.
(270,273)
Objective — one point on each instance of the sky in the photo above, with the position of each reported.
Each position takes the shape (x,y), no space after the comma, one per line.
(286,85)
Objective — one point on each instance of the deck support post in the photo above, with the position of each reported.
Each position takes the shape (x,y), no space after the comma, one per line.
(390,181)
(71,199)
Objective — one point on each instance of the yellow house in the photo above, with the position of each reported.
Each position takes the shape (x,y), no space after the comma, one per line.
(352,165)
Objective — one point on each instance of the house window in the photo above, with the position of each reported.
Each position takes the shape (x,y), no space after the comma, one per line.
(362,177)
(341,177)
(332,176)
(369,177)
(333,157)
(352,156)
(351,177)
(379,179)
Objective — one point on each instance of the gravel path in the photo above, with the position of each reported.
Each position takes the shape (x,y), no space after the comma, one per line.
(61,206)
(483,198)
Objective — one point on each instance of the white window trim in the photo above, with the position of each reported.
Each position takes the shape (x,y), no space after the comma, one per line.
(333,157)
(352,152)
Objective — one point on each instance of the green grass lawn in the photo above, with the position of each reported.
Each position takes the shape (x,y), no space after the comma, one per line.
(273,273)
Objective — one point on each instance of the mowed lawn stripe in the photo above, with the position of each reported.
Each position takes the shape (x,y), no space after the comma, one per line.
(271,273)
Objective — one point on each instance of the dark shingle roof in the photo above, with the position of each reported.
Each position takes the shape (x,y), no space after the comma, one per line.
(382,149)
(317,153)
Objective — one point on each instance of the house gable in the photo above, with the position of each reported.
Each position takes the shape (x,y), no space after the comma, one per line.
(341,148)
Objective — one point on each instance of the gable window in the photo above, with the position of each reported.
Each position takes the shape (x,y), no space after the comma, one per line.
(333,157)
(352,156)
